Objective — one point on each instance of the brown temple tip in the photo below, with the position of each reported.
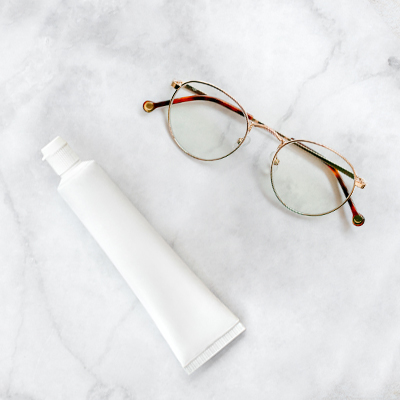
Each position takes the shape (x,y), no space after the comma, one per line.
(148,106)
(358,220)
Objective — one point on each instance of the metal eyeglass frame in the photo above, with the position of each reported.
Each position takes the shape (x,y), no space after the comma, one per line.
(149,106)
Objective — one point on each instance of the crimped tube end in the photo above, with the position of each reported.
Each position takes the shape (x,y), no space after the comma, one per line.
(215,348)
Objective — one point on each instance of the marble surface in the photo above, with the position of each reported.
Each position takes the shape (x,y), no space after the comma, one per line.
(390,12)
(320,298)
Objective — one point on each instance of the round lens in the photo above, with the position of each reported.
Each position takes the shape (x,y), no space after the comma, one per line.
(311,179)
(205,122)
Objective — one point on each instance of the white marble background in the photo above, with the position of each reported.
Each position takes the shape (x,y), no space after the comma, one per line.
(319,297)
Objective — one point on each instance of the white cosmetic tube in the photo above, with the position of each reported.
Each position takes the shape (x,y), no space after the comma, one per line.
(192,320)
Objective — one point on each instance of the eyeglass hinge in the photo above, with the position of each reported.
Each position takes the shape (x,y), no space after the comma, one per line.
(360,182)
(176,84)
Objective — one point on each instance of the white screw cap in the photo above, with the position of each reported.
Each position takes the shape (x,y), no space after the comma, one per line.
(59,155)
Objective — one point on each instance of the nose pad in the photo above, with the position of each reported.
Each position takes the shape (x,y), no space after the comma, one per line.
(240,141)
(274,161)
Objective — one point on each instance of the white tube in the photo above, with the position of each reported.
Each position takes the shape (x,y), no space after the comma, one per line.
(192,320)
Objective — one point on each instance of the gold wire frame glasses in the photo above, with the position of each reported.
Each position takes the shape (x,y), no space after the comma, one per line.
(307,177)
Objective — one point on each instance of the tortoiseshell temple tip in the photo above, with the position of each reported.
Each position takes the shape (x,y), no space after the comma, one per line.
(358,220)
(148,106)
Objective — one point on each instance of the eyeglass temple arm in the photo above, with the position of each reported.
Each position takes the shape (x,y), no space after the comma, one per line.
(325,160)
(358,219)
(149,106)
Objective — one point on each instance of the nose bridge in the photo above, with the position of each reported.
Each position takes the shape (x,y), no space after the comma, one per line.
(270,130)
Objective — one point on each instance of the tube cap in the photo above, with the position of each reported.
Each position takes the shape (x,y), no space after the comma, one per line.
(59,155)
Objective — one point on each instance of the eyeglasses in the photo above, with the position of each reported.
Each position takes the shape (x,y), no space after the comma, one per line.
(307,177)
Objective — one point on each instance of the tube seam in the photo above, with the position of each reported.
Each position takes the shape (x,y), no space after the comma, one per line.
(215,348)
